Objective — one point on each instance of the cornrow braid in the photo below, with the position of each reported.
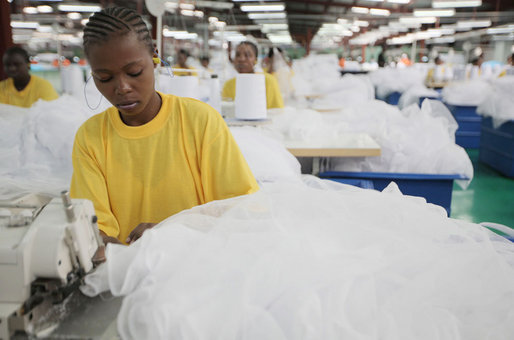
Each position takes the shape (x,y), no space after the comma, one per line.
(113,21)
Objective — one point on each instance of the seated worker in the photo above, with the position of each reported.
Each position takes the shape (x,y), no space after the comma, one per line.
(22,88)
(182,63)
(431,74)
(509,65)
(244,62)
(206,70)
(150,155)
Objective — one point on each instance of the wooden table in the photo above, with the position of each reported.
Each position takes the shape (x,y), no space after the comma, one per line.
(350,145)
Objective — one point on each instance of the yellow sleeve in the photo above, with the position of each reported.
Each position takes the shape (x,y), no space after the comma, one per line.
(229,89)
(273,95)
(502,74)
(47,91)
(224,170)
(89,182)
(430,76)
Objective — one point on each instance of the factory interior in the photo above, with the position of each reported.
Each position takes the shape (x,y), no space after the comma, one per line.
(257,169)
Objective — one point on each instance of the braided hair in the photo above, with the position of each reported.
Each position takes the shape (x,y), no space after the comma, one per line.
(114,21)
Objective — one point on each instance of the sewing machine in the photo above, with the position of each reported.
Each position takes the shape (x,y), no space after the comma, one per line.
(46,248)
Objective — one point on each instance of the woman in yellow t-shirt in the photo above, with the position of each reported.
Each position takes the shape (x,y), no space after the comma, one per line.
(151,155)
(22,88)
(244,62)
(182,56)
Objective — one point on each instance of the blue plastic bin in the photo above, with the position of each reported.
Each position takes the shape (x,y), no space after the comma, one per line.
(393,98)
(468,133)
(436,189)
(497,146)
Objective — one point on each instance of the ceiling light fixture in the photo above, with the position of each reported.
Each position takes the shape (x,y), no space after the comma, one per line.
(263,8)
(434,12)
(278,15)
(455,3)
(380,12)
(78,8)
(360,10)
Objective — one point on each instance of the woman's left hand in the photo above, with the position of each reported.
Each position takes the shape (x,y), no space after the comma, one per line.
(138,231)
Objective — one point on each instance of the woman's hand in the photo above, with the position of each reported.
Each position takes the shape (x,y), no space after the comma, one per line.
(138,231)
(99,256)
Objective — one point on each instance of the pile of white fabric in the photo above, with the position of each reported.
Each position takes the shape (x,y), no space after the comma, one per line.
(499,102)
(389,80)
(467,93)
(413,140)
(36,144)
(312,261)
(413,95)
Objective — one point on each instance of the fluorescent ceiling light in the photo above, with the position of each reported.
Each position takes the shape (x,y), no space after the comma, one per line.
(79,8)
(361,23)
(434,12)
(243,28)
(263,8)
(355,28)
(442,40)
(275,26)
(375,0)
(45,29)
(212,20)
(398,1)
(455,3)
(187,12)
(74,15)
(190,7)
(84,21)
(360,10)
(279,15)
(280,39)
(500,30)
(214,4)
(45,9)
(24,24)
(379,11)
(418,20)
(30,10)
(473,23)
(198,14)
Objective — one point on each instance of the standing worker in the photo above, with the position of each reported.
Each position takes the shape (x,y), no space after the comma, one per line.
(22,88)
(151,155)
(182,63)
(244,62)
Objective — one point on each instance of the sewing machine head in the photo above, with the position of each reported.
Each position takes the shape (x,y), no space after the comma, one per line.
(46,247)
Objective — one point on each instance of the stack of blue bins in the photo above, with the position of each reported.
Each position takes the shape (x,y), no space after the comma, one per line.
(497,146)
(436,189)
(468,133)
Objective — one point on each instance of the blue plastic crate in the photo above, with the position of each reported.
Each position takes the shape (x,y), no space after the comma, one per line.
(497,147)
(393,98)
(436,189)
(467,139)
(468,133)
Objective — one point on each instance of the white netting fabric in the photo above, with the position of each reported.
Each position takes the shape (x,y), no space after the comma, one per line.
(470,93)
(313,261)
(499,103)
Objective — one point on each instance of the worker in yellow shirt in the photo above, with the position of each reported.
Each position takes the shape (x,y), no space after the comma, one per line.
(22,88)
(244,62)
(182,56)
(150,155)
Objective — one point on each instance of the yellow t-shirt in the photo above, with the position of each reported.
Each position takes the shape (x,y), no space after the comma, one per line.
(37,88)
(184,157)
(184,73)
(273,96)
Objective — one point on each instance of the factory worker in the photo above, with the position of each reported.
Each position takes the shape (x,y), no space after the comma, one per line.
(22,88)
(151,155)
(244,62)
(182,63)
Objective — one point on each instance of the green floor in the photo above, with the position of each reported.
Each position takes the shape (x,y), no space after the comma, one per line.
(489,197)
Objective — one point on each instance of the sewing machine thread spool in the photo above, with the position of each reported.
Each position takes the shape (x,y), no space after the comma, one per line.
(68,206)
